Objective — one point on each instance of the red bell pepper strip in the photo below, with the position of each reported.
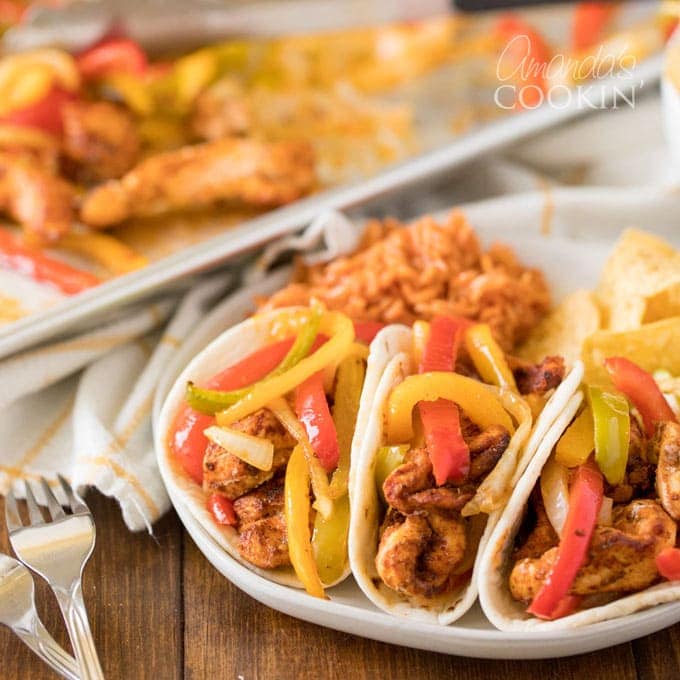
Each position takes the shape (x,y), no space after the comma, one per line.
(112,56)
(365,331)
(187,440)
(222,509)
(448,452)
(41,267)
(589,24)
(641,388)
(526,53)
(311,407)
(668,563)
(44,114)
(585,500)
(11,12)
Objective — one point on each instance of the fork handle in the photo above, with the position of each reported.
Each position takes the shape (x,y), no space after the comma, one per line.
(75,616)
(44,645)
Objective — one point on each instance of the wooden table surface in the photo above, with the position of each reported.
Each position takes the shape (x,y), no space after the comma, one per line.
(159,610)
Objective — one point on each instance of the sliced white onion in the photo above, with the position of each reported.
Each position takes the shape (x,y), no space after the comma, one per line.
(555,492)
(255,451)
(605,517)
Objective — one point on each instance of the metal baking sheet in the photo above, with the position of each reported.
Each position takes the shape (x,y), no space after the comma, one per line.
(90,305)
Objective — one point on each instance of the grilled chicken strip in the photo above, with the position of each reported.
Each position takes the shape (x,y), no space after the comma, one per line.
(239,170)
(621,558)
(412,487)
(100,140)
(538,378)
(419,553)
(666,446)
(263,540)
(227,474)
(40,201)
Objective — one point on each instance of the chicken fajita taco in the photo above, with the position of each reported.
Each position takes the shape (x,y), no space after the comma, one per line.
(257,434)
(590,531)
(453,424)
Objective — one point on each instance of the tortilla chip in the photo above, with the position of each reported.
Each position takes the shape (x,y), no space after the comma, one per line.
(565,329)
(654,346)
(640,282)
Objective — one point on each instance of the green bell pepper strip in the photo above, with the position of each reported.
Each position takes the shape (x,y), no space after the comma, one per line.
(211,401)
(611,424)
(388,460)
(329,541)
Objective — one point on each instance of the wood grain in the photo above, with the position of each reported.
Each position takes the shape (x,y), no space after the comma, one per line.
(160,611)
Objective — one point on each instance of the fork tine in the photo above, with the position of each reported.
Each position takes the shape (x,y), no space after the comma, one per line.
(74,500)
(34,514)
(12,516)
(53,506)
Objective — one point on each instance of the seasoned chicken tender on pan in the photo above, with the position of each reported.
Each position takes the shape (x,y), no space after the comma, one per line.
(234,170)
(40,201)
(100,140)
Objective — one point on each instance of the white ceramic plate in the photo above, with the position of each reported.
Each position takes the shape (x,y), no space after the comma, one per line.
(568,263)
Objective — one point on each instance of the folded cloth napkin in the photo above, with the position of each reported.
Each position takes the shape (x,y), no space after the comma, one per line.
(82,406)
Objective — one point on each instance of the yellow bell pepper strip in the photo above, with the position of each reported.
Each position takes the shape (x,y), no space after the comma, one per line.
(108,251)
(488,357)
(585,499)
(296,504)
(193,73)
(389,458)
(329,541)
(611,424)
(211,401)
(340,330)
(480,404)
(28,77)
(347,396)
(132,91)
(640,387)
(323,503)
(578,441)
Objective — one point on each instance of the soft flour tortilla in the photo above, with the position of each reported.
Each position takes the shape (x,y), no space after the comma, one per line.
(500,608)
(227,349)
(388,364)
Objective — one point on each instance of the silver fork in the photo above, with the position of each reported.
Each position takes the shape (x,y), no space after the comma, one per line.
(58,550)
(17,612)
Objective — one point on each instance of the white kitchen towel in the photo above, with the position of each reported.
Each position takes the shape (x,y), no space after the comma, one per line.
(82,407)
